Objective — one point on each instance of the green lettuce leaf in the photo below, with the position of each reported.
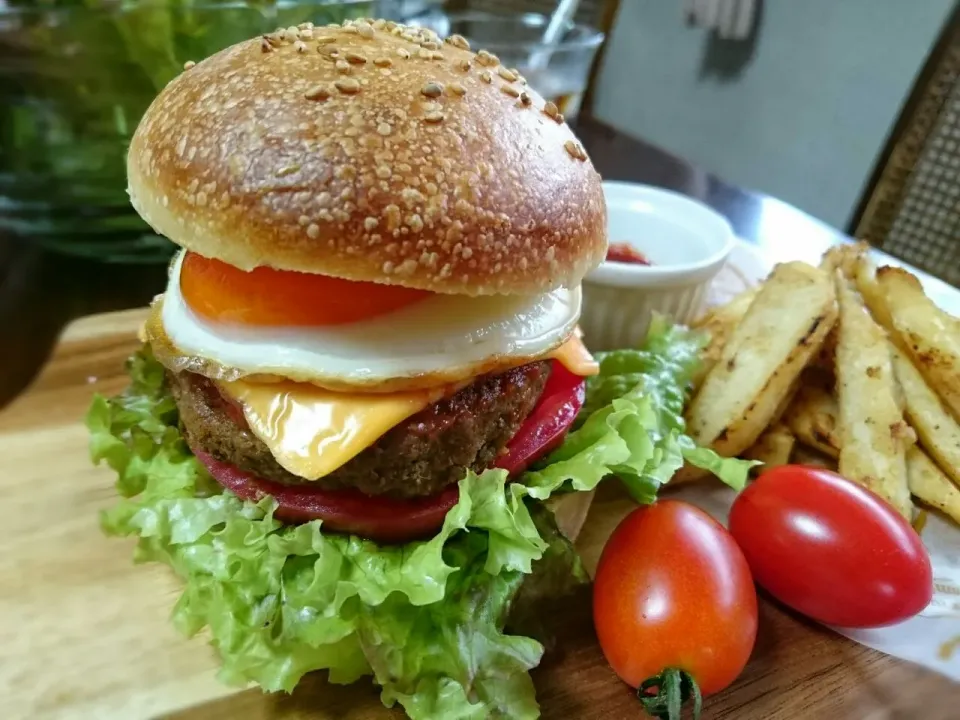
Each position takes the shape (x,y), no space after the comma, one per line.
(427,619)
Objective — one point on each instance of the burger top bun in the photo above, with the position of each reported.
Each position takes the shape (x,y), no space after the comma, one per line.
(374,152)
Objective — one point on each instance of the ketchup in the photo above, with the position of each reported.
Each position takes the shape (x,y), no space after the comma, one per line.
(626,253)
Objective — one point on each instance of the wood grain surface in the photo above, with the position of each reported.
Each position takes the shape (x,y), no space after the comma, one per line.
(84,633)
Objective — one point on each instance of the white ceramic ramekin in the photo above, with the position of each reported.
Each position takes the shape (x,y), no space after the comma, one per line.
(686,241)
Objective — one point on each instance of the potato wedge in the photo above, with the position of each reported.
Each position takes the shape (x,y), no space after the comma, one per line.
(783,328)
(773,448)
(938,432)
(813,420)
(866,282)
(720,323)
(929,335)
(843,258)
(690,473)
(803,455)
(873,434)
(929,485)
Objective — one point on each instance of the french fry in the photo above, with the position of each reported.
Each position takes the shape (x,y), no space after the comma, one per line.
(773,448)
(782,329)
(938,432)
(719,322)
(929,335)
(929,485)
(873,434)
(813,420)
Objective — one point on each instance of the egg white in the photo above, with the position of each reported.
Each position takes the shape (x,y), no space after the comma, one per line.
(449,337)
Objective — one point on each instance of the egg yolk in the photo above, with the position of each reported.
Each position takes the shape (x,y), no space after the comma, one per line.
(265,296)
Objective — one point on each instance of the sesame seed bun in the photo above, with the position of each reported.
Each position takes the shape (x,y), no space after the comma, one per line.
(371,152)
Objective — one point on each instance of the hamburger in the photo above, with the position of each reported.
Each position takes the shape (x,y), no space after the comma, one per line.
(356,395)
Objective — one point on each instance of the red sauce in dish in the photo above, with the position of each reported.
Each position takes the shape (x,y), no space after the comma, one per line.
(626,253)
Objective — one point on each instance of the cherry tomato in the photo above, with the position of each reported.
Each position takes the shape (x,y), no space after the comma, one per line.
(831,549)
(673,596)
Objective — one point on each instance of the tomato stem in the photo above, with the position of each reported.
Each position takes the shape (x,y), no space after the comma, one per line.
(664,695)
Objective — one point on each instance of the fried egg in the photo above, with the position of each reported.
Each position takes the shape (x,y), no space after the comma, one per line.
(442,339)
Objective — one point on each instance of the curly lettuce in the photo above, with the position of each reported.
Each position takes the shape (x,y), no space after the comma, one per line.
(425,619)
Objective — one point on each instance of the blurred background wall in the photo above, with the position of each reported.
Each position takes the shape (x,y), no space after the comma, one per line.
(800,113)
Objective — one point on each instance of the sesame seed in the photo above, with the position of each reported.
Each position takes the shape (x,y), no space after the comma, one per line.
(265,45)
(525,98)
(464,65)
(328,51)
(365,30)
(303,221)
(351,29)
(355,58)
(317,92)
(458,41)
(189,64)
(379,24)
(430,45)
(551,111)
(433,117)
(326,40)
(348,86)
(300,46)
(313,231)
(510,90)
(415,222)
(370,223)
(343,67)
(574,150)
(486,76)
(383,172)
(487,59)
(383,62)
(425,54)
(403,53)
(306,33)
(432,89)
(507,75)
(384,128)
(305,25)
(457,89)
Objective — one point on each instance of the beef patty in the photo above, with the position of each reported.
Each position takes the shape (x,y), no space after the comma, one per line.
(420,456)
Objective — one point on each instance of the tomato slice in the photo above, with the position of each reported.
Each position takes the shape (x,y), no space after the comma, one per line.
(547,425)
(386,520)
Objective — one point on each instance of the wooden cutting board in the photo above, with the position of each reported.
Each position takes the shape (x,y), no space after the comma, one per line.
(84,633)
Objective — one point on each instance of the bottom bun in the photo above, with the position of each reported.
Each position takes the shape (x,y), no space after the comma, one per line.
(570,511)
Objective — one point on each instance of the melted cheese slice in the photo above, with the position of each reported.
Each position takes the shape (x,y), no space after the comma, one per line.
(311,431)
